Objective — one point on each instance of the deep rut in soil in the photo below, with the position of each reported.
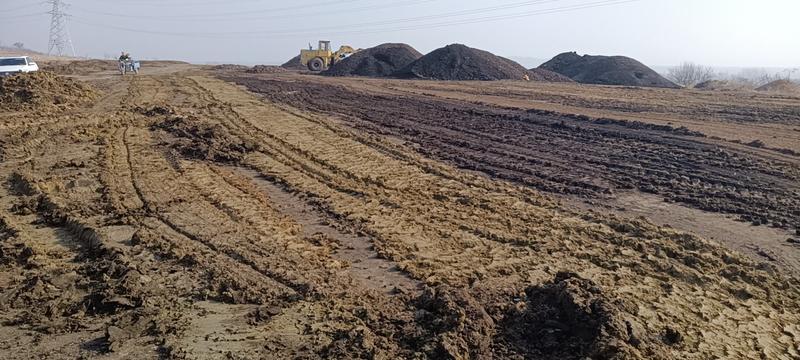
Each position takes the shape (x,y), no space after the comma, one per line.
(365,264)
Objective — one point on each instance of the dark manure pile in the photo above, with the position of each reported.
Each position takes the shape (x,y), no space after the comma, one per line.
(380,61)
(460,62)
(606,70)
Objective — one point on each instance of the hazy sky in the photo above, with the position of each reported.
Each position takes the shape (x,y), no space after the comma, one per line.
(658,32)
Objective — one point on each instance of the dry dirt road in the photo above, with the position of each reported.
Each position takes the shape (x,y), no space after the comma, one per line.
(178,215)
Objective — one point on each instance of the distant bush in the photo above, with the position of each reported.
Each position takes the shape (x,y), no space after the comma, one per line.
(690,74)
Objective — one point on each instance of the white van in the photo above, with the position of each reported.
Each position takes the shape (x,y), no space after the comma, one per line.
(17,64)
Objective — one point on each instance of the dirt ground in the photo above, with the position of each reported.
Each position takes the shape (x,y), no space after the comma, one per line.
(592,159)
(179,215)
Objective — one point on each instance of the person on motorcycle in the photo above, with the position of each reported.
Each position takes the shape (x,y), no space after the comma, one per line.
(126,64)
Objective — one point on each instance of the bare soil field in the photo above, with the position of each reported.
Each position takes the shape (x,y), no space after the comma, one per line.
(178,215)
(737,116)
(581,154)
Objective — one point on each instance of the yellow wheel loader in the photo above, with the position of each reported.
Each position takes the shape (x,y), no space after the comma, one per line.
(323,57)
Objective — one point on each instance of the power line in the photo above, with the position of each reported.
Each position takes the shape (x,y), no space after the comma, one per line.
(218,14)
(23,15)
(373,23)
(59,34)
(432,16)
(161,3)
(484,19)
(597,4)
(274,16)
(415,27)
(21,7)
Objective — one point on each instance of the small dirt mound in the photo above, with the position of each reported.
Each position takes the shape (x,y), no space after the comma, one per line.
(547,75)
(43,90)
(293,64)
(459,62)
(83,67)
(80,67)
(606,70)
(455,325)
(571,318)
(231,67)
(380,61)
(720,85)
(783,86)
(266,69)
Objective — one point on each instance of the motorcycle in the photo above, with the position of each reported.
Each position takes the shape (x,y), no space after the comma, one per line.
(126,66)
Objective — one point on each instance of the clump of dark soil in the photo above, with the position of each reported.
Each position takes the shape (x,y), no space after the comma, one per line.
(43,90)
(572,318)
(198,139)
(459,62)
(293,64)
(380,61)
(606,70)
(458,326)
(782,86)
(265,69)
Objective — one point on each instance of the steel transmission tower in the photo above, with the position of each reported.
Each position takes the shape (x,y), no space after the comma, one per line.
(59,34)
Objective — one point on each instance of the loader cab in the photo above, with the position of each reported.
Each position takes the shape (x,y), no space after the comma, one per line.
(324,45)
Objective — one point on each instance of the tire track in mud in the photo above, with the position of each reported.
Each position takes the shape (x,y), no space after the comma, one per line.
(79,273)
(273,147)
(375,272)
(333,179)
(328,174)
(274,286)
(141,188)
(224,208)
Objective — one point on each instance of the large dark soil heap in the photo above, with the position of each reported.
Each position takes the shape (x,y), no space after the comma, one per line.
(784,86)
(42,90)
(606,70)
(293,64)
(380,61)
(459,62)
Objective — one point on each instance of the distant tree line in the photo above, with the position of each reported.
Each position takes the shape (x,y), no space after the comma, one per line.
(689,74)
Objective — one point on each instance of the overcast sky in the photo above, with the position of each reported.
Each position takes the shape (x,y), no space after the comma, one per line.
(745,33)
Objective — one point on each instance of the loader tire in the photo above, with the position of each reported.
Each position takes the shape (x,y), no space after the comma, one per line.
(316,64)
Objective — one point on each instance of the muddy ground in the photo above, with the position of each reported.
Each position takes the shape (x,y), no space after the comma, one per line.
(180,216)
(566,154)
